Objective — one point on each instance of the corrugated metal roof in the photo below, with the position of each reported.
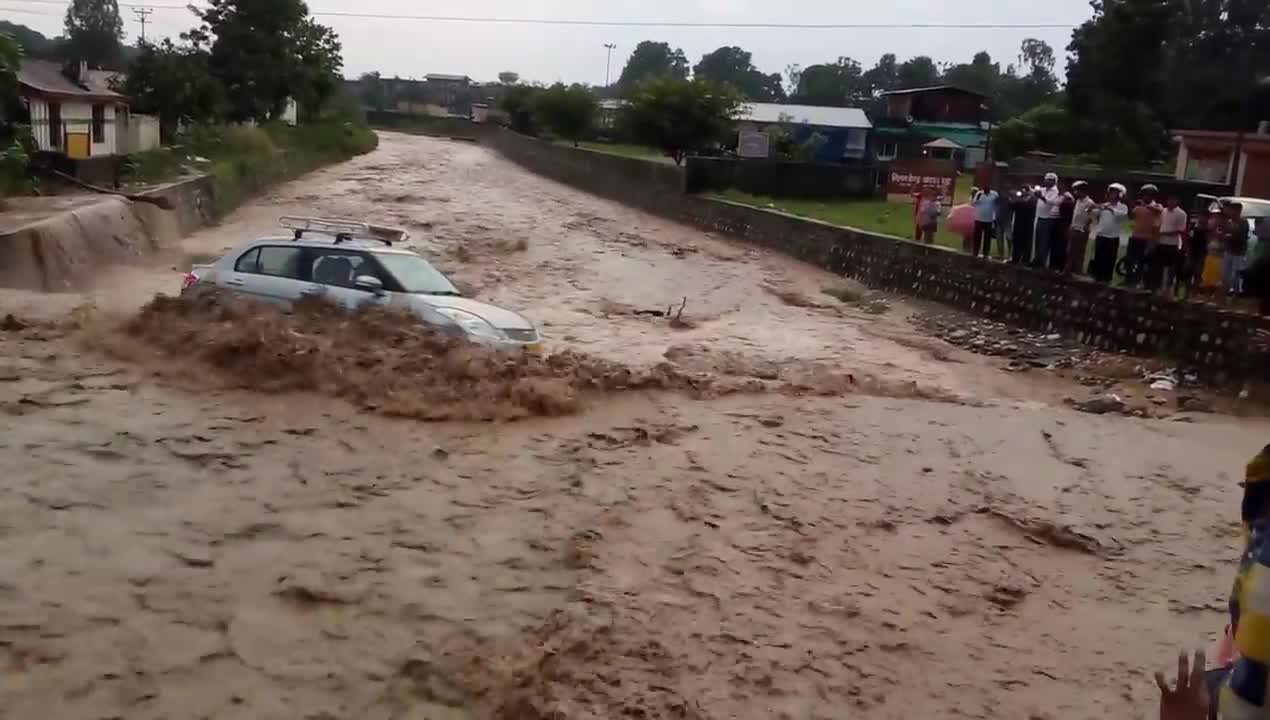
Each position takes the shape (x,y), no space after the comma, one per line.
(818,115)
(46,76)
(931,88)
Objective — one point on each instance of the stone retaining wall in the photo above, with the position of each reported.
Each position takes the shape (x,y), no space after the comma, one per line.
(1210,340)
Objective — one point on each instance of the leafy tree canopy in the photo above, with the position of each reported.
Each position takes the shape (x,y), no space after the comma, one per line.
(916,72)
(173,82)
(567,111)
(265,51)
(94,33)
(680,116)
(1115,78)
(840,84)
(734,66)
(651,60)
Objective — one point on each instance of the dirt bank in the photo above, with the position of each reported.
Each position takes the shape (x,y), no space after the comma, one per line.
(228,551)
(59,248)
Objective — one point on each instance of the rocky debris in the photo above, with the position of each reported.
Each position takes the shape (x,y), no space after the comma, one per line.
(10,323)
(1192,403)
(1026,350)
(1099,405)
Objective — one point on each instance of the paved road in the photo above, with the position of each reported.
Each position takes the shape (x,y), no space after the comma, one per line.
(945,541)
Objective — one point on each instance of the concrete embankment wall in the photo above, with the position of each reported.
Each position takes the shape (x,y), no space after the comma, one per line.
(1212,341)
(66,249)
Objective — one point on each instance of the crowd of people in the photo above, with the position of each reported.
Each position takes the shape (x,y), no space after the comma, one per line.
(1063,228)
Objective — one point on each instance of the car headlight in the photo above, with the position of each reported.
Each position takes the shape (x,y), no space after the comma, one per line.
(473,325)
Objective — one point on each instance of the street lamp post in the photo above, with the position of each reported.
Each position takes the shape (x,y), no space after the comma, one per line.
(608,63)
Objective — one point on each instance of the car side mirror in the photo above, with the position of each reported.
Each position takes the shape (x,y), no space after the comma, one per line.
(369,283)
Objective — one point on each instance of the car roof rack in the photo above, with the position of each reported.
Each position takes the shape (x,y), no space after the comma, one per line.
(343,230)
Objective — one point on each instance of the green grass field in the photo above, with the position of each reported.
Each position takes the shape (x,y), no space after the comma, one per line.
(641,152)
(880,216)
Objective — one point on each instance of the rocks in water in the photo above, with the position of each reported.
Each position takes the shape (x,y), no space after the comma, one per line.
(1192,403)
(1099,405)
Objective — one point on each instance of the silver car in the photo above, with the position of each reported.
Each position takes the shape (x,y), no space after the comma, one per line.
(353,264)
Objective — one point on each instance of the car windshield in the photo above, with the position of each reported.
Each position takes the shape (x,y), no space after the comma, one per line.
(416,275)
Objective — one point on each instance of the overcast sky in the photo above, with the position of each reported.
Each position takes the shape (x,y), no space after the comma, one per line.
(412,48)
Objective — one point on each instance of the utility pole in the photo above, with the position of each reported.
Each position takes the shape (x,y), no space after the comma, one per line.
(608,64)
(143,17)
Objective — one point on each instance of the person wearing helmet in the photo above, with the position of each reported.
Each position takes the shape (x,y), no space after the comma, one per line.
(1146,216)
(1109,219)
(1049,202)
(1082,220)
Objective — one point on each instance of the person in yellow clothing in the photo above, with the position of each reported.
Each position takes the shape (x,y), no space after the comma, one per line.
(1243,694)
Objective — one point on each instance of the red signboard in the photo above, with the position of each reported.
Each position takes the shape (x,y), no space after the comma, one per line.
(909,176)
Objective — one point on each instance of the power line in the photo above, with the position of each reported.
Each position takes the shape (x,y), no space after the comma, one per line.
(638,23)
(143,17)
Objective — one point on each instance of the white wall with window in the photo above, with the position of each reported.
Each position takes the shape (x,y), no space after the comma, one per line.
(52,119)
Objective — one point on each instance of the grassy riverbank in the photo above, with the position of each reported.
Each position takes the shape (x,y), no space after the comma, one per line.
(243,160)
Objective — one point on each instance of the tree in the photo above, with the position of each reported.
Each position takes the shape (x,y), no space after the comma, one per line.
(885,75)
(733,66)
(518,103)
(567,111)
(680,116)
(319,62)
(1115,82)
(94,33)
(266,51)
(917,72)
(14,140)
(841,84)
(1215,52)
(371,91)
(980,75)
(1044,127)
(652,60)
(173,82)
(508,78)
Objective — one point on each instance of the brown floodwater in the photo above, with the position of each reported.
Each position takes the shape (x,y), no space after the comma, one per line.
(934,537)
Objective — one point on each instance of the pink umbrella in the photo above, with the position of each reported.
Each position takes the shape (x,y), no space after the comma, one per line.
(962,221)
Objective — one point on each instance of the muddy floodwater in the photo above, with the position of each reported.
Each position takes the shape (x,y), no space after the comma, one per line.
(931,537)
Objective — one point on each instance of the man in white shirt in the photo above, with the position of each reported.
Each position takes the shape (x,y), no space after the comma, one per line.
(1049,203)
(1166,259)
(1082,220)
(1109,221)
(985,204)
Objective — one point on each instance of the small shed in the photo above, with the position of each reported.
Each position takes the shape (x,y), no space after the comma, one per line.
(846,130)
(73,114)
(942,149)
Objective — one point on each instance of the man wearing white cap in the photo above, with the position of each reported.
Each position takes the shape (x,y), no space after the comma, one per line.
(1109,220)
(1049,205)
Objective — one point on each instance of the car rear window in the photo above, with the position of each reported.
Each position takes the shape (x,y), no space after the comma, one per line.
(279,261)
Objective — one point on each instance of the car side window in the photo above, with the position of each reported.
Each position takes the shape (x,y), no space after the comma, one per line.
(339,267)
(275,260)
(249,262)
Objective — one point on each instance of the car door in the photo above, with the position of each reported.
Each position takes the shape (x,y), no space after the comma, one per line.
(270,273)
(333,272)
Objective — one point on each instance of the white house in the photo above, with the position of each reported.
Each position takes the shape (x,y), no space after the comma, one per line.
(78,118)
